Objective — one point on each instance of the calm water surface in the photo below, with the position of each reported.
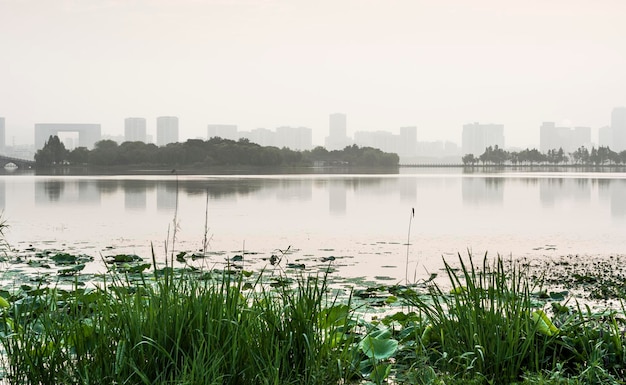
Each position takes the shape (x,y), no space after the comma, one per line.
(362,220)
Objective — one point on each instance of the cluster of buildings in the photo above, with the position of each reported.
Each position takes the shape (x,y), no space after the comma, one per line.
(474,139)
(572,138)
(135,130)
(295,138)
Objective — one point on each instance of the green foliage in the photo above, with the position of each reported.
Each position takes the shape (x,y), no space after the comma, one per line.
(78,156)
(52,153)
(106,153)
(469,159)
(177,329)
(353,156)
(494,155)
(378,347)
(486,326)
(483,325)
(223,152)
(582,156)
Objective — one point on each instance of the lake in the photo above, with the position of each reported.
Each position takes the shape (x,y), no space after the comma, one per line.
(364,221)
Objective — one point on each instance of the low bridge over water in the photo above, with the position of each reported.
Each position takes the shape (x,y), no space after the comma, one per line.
(20,163)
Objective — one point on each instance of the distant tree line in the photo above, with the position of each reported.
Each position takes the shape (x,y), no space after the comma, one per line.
(213,152)
(582,156)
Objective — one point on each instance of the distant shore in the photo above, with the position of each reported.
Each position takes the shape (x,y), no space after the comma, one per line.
(526,167)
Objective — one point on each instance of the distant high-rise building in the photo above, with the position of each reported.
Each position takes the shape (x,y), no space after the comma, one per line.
(408,141)
(605,137)
(580,137)
(552,137)
(135,130)
(618,125)
(382,140)
(295,138)
(477,137)
(3,134)
(263,137)
(88,134)
(224,131)
(167,130)
(337,138)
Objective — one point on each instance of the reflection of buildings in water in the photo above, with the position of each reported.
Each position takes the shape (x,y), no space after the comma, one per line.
(604,189)
(408,189)
(135,194)
(582,192)
(166,196)
(107,186)
(337,196)
(135,200)
(550,190)
(295,189)
(88,192)
(618,198)
(60,191)
(477,191)
(266,189)
(375,186)
(553,189)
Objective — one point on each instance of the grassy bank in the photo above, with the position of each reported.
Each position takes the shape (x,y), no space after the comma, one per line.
(173,328)
(491,325)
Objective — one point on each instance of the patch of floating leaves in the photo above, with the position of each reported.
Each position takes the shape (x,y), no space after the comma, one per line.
(597,278)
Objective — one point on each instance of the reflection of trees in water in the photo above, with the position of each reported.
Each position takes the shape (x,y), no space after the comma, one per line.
(614,192)
(478,191)
(215,188)
(223,188)
(530,181)
(494,183)
(106,186)
(552,190)
(135,193)
(137,186)
(53,189)
(356,183)
(603,184)
(618,198)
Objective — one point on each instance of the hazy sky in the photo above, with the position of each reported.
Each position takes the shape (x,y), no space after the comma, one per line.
(432,64)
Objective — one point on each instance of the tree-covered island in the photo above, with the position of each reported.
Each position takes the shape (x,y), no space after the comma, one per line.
(213,152)
(582,156)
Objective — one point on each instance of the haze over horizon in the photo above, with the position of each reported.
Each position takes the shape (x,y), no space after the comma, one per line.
(432,64)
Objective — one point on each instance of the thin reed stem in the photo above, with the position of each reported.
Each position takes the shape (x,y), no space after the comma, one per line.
(408,243)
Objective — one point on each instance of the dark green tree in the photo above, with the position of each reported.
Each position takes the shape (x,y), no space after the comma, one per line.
(79,155)
(581,155)
(105,153)
(469,159)
(52,153)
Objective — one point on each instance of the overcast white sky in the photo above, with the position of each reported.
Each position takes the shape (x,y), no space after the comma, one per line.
(433,64)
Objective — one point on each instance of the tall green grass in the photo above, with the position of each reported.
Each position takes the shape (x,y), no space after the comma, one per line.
(483,324)
(178,329)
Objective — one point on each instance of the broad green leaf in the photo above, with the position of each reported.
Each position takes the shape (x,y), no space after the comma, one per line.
(379,349)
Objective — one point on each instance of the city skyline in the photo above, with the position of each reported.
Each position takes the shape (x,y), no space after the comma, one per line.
(434,65)
(337,122)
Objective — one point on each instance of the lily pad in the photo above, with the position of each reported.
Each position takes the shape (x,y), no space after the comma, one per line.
(378,348)
(71,271)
